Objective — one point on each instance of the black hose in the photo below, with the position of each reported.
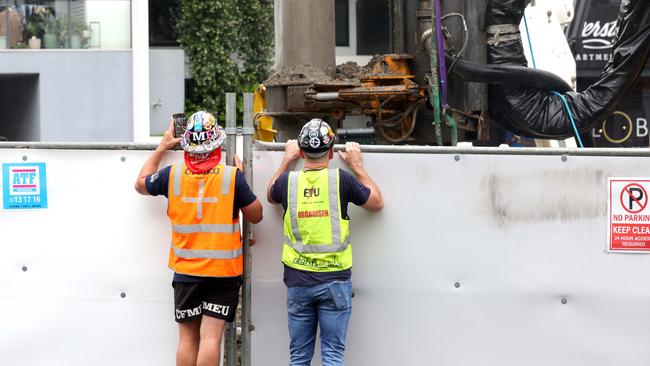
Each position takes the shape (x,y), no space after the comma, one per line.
(535,111)
(506,74)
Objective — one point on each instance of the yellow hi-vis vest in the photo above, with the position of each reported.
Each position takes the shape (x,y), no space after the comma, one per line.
(316,237)
(205,236)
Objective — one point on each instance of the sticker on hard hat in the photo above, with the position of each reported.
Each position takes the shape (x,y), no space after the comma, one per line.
(314,142)
(208,124)
(629,215)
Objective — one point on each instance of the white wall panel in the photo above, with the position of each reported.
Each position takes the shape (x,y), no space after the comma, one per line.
(517,234)
(469,262)
(96,240)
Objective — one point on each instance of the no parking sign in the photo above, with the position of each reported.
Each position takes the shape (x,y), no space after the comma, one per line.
(629,215)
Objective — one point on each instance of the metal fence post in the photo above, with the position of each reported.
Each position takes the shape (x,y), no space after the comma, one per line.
(230,336)
(247,327)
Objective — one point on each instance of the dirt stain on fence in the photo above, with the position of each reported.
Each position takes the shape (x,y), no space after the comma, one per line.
(553,195)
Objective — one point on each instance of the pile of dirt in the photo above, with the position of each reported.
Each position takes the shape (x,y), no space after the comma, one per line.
(298,75)
(347,73)
(351,71)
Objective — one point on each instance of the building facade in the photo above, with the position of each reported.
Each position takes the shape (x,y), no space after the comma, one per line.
(75,70)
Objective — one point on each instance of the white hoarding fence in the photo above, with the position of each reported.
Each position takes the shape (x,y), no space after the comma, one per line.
(84,263)
(480,257)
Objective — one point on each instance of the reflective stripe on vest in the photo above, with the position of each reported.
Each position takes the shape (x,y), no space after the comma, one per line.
(210,254)
(178,171)
(206,228)
(317,248)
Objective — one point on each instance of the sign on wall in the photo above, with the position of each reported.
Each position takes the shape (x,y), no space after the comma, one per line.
(24,186)
(629,215)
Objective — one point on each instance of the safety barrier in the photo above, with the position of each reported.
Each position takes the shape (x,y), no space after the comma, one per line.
(85,257)
(481,256)
(83,268)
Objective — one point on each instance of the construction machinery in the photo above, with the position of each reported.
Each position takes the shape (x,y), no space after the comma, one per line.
(457,71)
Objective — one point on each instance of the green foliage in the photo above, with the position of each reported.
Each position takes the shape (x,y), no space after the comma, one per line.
(229,44)
(35,25)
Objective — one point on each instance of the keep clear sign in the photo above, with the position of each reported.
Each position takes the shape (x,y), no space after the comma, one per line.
(629,215)
(24,186)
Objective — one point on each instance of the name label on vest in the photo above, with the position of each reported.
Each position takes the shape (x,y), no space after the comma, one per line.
(211,171)
(303,261)
(312,214)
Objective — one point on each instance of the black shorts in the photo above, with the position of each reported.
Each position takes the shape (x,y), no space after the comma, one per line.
(214,297)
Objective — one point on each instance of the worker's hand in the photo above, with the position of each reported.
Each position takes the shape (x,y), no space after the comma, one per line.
(352,156)
(239,164)
(291,150)
(168,141)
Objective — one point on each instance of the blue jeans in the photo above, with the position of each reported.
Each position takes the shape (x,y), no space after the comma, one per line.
(328,305)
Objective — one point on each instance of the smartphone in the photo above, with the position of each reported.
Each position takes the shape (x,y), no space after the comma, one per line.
(179,124)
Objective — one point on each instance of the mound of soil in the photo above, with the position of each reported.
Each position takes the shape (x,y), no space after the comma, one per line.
(347,73)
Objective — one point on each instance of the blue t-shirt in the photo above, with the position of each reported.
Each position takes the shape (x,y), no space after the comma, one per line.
(158,184)
(350,190)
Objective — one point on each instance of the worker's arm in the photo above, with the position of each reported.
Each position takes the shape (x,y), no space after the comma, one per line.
(249,205)
(291,153)
(352,157)
(151,165)
(253,212)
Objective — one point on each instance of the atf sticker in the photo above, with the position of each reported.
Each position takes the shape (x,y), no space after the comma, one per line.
(24,186)
(629,215)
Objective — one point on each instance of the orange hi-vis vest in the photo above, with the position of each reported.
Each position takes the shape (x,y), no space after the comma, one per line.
(205,236)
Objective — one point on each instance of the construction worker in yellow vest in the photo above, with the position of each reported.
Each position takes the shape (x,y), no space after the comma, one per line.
(316,250)
(204,200)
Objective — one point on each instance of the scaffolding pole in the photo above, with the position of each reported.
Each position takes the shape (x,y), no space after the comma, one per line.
(230,334)
(247,327)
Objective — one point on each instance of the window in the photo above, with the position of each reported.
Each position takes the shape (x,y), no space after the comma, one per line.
(373,36)
(50,24)
(163,23)
(342,19)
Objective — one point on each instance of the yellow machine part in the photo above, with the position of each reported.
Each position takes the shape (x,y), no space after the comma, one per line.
(263,124)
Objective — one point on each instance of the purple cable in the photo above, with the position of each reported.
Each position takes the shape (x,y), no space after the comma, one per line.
(441,54)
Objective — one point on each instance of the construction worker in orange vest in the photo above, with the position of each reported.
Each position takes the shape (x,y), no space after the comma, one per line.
(204,200)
